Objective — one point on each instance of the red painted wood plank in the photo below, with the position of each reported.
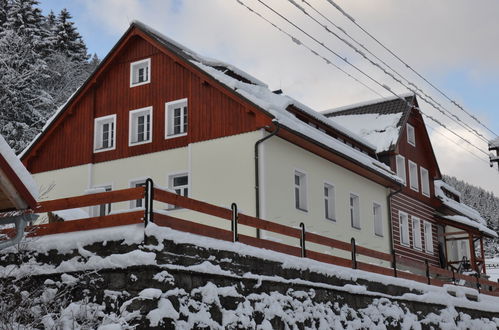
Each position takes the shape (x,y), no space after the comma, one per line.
(414,277)
(192,227)
(322,257)
(270,245)
(374,268)
(440,271)
(269,226)
(373,253)
(327,241)
(191,204)
(91,200)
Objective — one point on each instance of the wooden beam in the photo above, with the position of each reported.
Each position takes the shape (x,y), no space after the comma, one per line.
(457,233)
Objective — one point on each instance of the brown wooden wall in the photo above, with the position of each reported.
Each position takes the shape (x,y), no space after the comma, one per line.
(413,207)
(213,110)
(422,155)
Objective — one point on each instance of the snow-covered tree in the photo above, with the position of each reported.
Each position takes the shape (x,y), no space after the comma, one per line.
(67,39)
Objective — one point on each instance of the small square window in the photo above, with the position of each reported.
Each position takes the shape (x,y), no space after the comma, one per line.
(300,191)
(140,126)
(140,72)
(411,135)
(354,211)
(104,133)
(176,118)
(378,220)
(413,176)
(329,203)
(180,184)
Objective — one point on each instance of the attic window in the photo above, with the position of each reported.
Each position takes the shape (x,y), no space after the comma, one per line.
(140,72)
(411,135)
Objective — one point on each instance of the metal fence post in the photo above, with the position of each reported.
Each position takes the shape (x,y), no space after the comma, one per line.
(235,216)
(427,271)
(302,240)
(394,263)
(148,201)
(453,277)
(354,253)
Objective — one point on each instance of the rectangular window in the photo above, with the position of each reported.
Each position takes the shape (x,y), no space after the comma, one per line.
(411,135)
(180,184)
(428,237)
(104,133)
(354,211)
(425,181)
(416,233)
(413,176)
(401,172)
(378,220)
(140,126)
(329,203)
(137,202)
(176,118)
(404,228)
(300,191)
(140,72)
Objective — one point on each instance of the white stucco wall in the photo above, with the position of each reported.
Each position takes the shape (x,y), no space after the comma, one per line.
(282,158)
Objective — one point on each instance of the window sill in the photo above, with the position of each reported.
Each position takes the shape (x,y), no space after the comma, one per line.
(103,150)
(139,143)
(405,244)
(139,84)
(300,209)
(357,228)
(330,219)
(378,235)
(415,189)
(175,136)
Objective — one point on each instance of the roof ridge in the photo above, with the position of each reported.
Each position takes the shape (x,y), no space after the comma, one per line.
(366,103)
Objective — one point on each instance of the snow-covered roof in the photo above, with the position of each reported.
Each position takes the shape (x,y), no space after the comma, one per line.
(15,181)
(378,121)
(467,215)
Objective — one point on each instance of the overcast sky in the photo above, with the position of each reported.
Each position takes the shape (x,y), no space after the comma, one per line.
(452,43)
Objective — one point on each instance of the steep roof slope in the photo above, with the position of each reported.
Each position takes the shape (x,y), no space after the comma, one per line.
(378,121)
(18,190)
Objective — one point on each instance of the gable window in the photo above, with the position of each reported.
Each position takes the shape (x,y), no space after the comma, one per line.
(180,184)
(136,184)
(401,172)
(378,220)
(411,135)
(413,176)
(140,72)
(176,118)
(425,181)
(104,133)
(140,126)
(404,228)
(354,211)
(329,211)
(428,237)
(416,233)
(300,191)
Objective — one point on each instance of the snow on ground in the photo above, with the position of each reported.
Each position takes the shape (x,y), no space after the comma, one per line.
(493,272)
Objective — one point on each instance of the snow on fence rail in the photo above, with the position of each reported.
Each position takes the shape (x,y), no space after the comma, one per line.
(433,275)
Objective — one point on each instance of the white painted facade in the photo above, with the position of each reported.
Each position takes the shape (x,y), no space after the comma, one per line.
(221,171)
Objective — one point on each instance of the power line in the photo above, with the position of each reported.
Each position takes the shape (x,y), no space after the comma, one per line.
(433,103)
(408,66)
(297,41)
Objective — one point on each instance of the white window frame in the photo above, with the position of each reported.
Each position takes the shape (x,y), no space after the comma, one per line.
(98,123)
(378,220)
(428,237)
(413,176)
(401,172)
(411,135)
(170,106)
(135,66)
(354,211)
(133,184)
(425,181)
(404,230)
(171,178)
(329,201)
(300,191)
(416,233)
(132,132)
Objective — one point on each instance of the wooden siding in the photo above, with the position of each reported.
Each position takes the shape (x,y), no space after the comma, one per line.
(413,207)
(422,154)
(213,111)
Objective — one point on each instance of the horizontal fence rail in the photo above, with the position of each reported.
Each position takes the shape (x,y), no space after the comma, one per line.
(432,275)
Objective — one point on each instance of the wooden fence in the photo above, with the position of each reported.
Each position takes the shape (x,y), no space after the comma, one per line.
(432,275)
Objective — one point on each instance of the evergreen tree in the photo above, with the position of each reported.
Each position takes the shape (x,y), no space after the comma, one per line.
(67,39)
(3,12)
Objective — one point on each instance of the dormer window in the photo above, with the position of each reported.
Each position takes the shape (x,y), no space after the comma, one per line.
(105,133)
(411,135)
(140,72)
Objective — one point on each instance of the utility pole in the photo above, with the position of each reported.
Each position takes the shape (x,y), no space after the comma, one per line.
(494,146)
